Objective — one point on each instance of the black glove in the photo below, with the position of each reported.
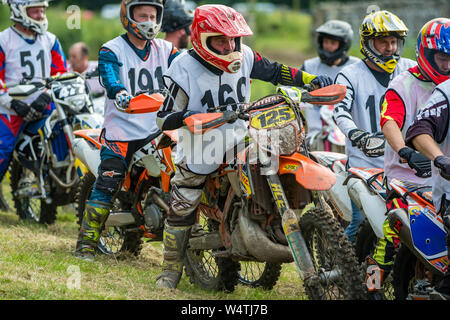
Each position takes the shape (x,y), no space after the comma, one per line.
(322,81)
(35,111)
(443,164)
(416,161)
(372,145)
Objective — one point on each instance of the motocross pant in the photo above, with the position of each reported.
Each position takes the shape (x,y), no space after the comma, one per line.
(11,126)
(444,285)
(357,218)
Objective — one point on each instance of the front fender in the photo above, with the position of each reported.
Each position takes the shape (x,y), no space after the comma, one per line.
(308,173)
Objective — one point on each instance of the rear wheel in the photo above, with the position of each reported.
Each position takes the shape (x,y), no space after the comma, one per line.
(24,188)
(259,274)
(333,258)
(113,240)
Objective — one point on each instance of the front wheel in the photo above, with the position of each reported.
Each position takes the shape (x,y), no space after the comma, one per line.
(24,189)
(259,274)
(333,258)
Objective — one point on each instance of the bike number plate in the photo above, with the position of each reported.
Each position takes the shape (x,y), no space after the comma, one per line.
(271,118)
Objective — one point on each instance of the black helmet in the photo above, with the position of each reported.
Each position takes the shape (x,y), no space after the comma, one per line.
(176,17)
(338,30)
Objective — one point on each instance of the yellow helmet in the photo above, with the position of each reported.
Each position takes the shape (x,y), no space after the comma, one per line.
(381,24)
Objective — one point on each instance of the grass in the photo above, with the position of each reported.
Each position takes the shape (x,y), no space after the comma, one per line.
(37,263)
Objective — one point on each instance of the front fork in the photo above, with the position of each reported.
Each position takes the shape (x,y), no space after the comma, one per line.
(292,231)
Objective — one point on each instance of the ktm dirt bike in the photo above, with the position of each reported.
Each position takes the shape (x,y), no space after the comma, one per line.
(422,259)
(140,207)
(250,212)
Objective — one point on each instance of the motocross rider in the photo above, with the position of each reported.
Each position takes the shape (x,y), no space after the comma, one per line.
(429,133)
(129,63)
(382,36)
(27,50)
(406,96)
(177,23)
(217,71)
(334,39)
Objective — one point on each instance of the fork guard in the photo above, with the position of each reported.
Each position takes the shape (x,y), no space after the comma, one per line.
(308,173)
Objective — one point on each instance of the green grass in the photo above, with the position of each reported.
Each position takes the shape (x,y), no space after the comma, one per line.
(37,263)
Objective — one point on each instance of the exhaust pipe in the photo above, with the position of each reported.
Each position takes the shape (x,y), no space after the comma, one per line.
(259,245)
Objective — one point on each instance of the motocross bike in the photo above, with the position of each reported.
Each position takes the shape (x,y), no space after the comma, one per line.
(250,212)
(42,168)
(422,259)
(140,207)
(366,188)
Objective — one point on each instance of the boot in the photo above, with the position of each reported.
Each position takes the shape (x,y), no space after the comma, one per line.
(175,244)
(95,215)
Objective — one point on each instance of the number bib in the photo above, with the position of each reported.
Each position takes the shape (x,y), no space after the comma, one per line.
(26,60)
(136,75)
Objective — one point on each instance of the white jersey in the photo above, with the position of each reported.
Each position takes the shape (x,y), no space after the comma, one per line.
(204,90)
(316,67)
(25,59)
(414,94)
(361,107)
(135,75)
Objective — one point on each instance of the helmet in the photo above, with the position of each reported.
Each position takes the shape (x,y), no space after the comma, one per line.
(176,17)
(381,24)
(143,30)
(19,14)
(433,37)
(337,30)
(214,20)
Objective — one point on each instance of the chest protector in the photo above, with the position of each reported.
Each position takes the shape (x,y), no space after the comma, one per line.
(204,153)
(26,60)
(414,94)
(136,75)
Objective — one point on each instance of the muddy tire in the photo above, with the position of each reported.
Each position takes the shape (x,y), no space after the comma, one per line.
(259,274)
(330,250)
(27,207)
(113,240)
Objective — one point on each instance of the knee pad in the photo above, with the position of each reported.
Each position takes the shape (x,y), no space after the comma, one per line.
(175,220)
(111,173)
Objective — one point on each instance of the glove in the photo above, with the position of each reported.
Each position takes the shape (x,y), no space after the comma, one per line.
(372,145)
(32,112)
(122,100)
(322,81)
(443,164)
(189,113)
(5,100)
(416,161)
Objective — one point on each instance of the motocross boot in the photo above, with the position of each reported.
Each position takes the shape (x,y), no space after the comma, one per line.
(175,244)
(375,276)
(95,215)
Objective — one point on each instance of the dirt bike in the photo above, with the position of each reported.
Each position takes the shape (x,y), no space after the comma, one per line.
(251,213)
(366,188)
(42,168)
(422,258)
(140,207)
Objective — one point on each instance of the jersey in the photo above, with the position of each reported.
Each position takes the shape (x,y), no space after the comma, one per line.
(361,107)
(312,113)
(413,91)
(434,120)
(31,59)
(204,89)
(135,74)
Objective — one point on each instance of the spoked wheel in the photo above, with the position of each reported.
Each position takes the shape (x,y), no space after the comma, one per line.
(26,196)
(333,258)
(365,244)
(208,271)
(259,274)
(113,240)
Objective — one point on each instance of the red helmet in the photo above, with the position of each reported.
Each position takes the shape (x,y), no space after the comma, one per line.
(215,20)
(433,37)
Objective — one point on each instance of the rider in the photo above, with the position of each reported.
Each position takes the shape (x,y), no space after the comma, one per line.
(217,71)
(27,50)
(334,39)
(382,36)
(177,23)
(129,63)
(405,97)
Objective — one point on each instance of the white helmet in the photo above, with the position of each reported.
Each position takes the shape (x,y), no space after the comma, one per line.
(19,14)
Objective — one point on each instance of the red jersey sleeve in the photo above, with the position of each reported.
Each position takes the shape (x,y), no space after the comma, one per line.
(393,108)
